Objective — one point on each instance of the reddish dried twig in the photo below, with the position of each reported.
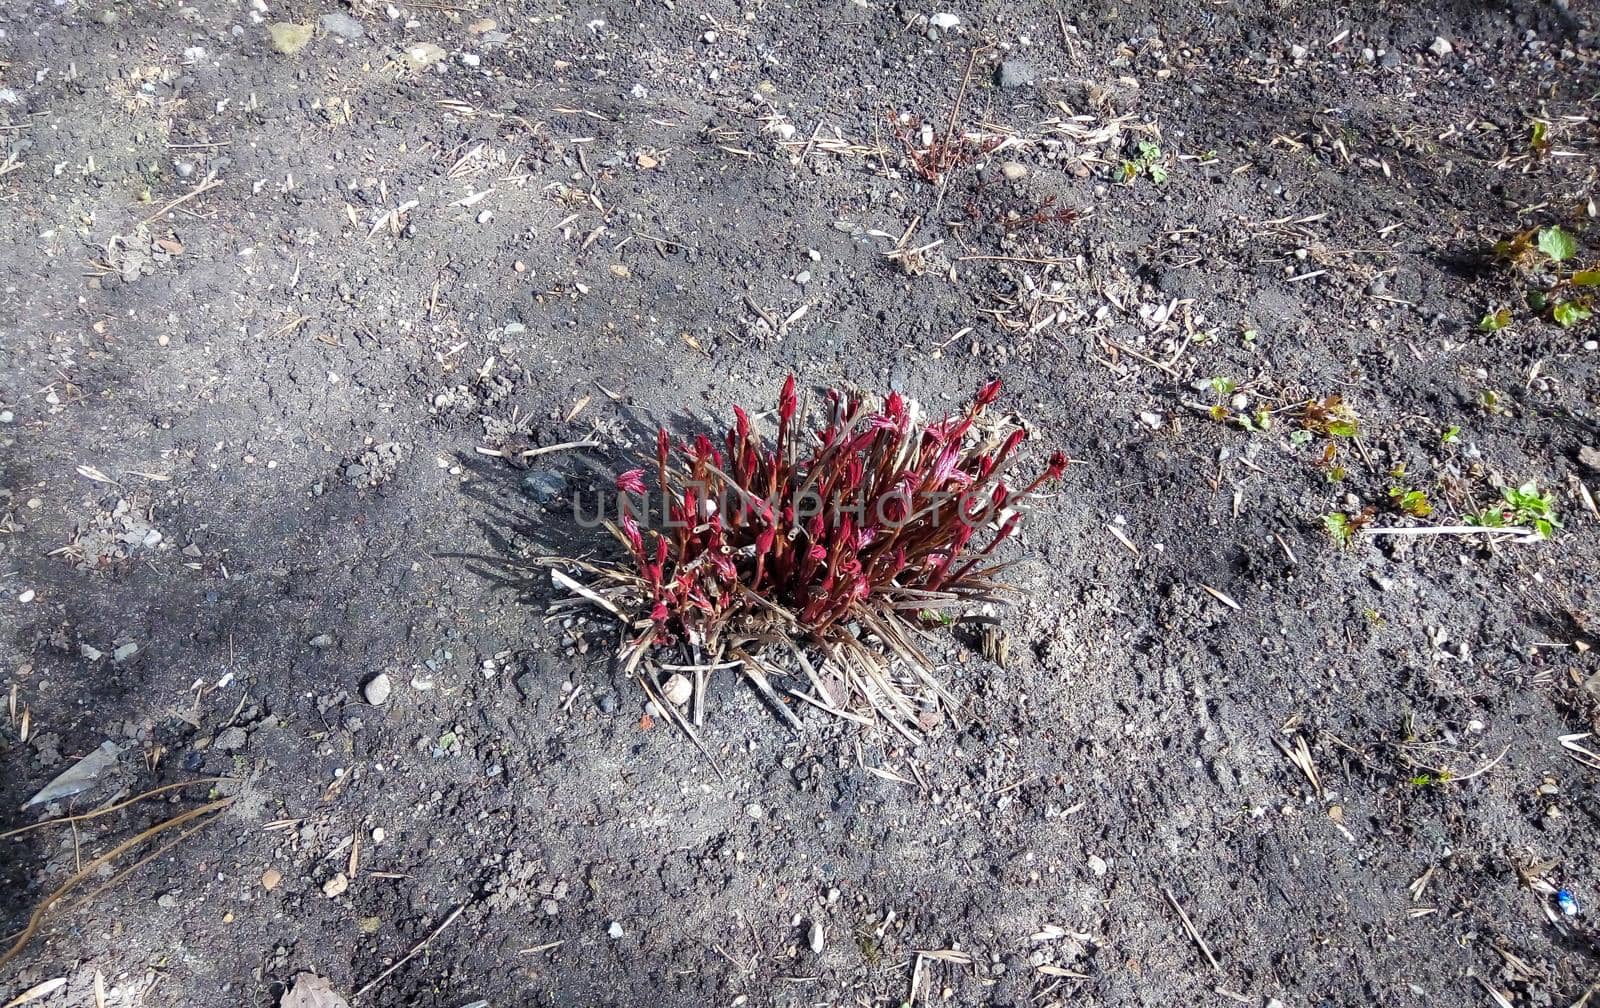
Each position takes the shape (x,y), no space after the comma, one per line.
(945,153)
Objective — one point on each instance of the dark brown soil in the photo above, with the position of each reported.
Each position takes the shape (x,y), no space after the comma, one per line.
(241,480)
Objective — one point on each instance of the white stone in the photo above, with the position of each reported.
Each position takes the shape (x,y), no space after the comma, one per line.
(378,689)
(677,690)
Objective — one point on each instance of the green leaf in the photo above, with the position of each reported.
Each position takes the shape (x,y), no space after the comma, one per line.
(1338,526)
(1342,428)
(1586,278)
(1451,436)
(1495,320)
(1541,135)
(1570,313)
(1488,518)
(1557,244)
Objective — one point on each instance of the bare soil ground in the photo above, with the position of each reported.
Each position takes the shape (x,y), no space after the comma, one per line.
(260,309)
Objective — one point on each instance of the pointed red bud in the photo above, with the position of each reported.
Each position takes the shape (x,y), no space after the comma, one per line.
(631,481)
(1058,465)
(788,402)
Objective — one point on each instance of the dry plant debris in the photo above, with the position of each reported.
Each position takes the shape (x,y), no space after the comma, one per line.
(840,543)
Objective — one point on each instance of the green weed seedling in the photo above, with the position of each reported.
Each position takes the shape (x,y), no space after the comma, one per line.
(1523,506)
(1150,163)
(1568,298)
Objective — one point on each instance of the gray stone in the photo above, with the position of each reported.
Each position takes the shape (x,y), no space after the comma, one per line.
(231,740)
(1015,73)
(544,486)
(343,25)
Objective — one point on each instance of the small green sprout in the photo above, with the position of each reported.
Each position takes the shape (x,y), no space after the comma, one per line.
(1331,416)
(1341,528)
(1569,313)
(1451,435)
(1529,505)
(1149,163)
(1524,506)
(1412,502)
(1564,295)
(1495,320)
(1539,136)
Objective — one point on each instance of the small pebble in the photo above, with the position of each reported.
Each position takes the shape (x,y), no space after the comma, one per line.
(615,930)
(378,689)
(677,690)
(231,740)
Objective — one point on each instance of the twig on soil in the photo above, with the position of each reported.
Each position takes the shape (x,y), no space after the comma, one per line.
(1498,998)
(1587,757)
(84,816)
(1148,360)
(37,919)
(413,953)
(1122,538)
(535,452)
(1225,600)
(1188,926)
(1300,755)
(37,991)
(1017,259)
(1487,766)
(206,184)
(1427,530)
(1286,550)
